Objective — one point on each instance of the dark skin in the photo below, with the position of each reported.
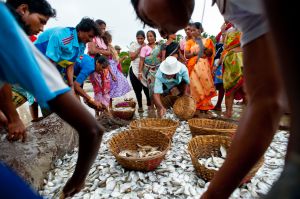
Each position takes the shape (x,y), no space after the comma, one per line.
(265,107)
(141,40)
(288,184)
(90,136)
(16,128)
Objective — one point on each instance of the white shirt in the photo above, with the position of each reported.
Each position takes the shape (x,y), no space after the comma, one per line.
(135,63)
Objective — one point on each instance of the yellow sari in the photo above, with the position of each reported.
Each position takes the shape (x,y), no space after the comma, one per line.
(200,71)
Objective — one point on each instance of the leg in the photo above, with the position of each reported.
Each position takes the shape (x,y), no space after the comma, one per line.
(260,119)
(34,110)
(229,104)
(221,93)
(288,184)
(146,91)
(137,87)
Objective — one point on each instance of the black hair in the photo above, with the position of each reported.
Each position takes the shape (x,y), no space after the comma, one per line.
(140,33)
(152,31)
(101,60)
(34,6)
(198,25)
(86,24)
(100,22)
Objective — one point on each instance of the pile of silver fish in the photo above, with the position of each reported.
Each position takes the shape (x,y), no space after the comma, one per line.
(174,178)
(141,152)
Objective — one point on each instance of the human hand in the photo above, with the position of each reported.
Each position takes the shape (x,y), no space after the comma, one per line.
(114,78)
(140,77)
(175,91)
(16,131)
(161,112)
(72,187)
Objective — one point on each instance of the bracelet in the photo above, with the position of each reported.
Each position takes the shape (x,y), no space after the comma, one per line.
(139,73)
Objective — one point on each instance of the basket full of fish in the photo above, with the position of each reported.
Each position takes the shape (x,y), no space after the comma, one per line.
(125,113)
(141,150)
(126,103)
(201,126)
(166,126)
(208,152)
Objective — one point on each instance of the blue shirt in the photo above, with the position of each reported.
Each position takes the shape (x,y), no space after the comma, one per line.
(161,80)
(21,63)
(84,68)
(61,45)
(12,186)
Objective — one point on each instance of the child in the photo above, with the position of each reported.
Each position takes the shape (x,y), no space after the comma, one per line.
(101,82)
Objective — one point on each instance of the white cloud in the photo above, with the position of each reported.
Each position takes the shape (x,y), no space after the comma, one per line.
(120,17)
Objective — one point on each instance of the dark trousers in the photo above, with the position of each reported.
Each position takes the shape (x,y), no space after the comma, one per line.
(138,87)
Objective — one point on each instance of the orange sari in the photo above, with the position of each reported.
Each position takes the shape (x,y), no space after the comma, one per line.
(200,72)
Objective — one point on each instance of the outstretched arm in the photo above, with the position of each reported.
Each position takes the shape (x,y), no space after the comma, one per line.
(90,136)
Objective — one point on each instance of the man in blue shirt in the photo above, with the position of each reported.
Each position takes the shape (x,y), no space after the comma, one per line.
(35,73)
(64,46)
(172,80)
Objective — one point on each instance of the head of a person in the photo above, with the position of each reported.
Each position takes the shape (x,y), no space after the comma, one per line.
(107,37)
(166,15)
(151,37)
(170,67)
(140,37)
(101,26)
(33,14)
(196,29)
(101,63)
(171,37)
(118,49)
(188,31)
(87,29)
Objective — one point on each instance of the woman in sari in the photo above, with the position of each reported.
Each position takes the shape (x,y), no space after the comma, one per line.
(232,57)
(200,53)
(150,59)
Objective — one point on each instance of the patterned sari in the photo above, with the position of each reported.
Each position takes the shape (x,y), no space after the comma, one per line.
(151,65)
(200,71)
(233,65)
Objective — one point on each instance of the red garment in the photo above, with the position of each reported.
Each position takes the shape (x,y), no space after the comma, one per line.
(32,38)
(218,37)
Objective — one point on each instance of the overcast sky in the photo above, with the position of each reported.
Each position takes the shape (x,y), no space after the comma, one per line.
(120,17)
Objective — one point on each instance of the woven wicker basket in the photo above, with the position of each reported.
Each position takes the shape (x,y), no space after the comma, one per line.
(166,126)
(206,145)
(199,126)
(184,107)
(128,140)
(125,115)
(126,104)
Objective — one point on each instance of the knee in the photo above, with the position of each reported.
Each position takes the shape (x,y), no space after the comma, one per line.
(96,132)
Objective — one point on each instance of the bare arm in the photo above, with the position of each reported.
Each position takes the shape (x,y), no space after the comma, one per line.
(90,136)
(141,66)
(16,128)
(93,50)
(70,75)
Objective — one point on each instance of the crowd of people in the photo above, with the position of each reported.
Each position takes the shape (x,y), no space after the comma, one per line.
(51,69)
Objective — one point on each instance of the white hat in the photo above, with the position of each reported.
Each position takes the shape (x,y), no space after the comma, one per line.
(170,66)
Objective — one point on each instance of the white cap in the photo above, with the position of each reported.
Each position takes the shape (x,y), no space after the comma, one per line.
(170,66)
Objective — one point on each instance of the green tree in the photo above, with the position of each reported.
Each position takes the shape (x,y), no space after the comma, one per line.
(126,62)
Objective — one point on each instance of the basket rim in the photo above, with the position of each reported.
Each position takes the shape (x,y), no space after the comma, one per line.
(162,154)
(215,120)
(175,123)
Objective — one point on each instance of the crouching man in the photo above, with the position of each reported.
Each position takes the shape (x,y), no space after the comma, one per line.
(172,81)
